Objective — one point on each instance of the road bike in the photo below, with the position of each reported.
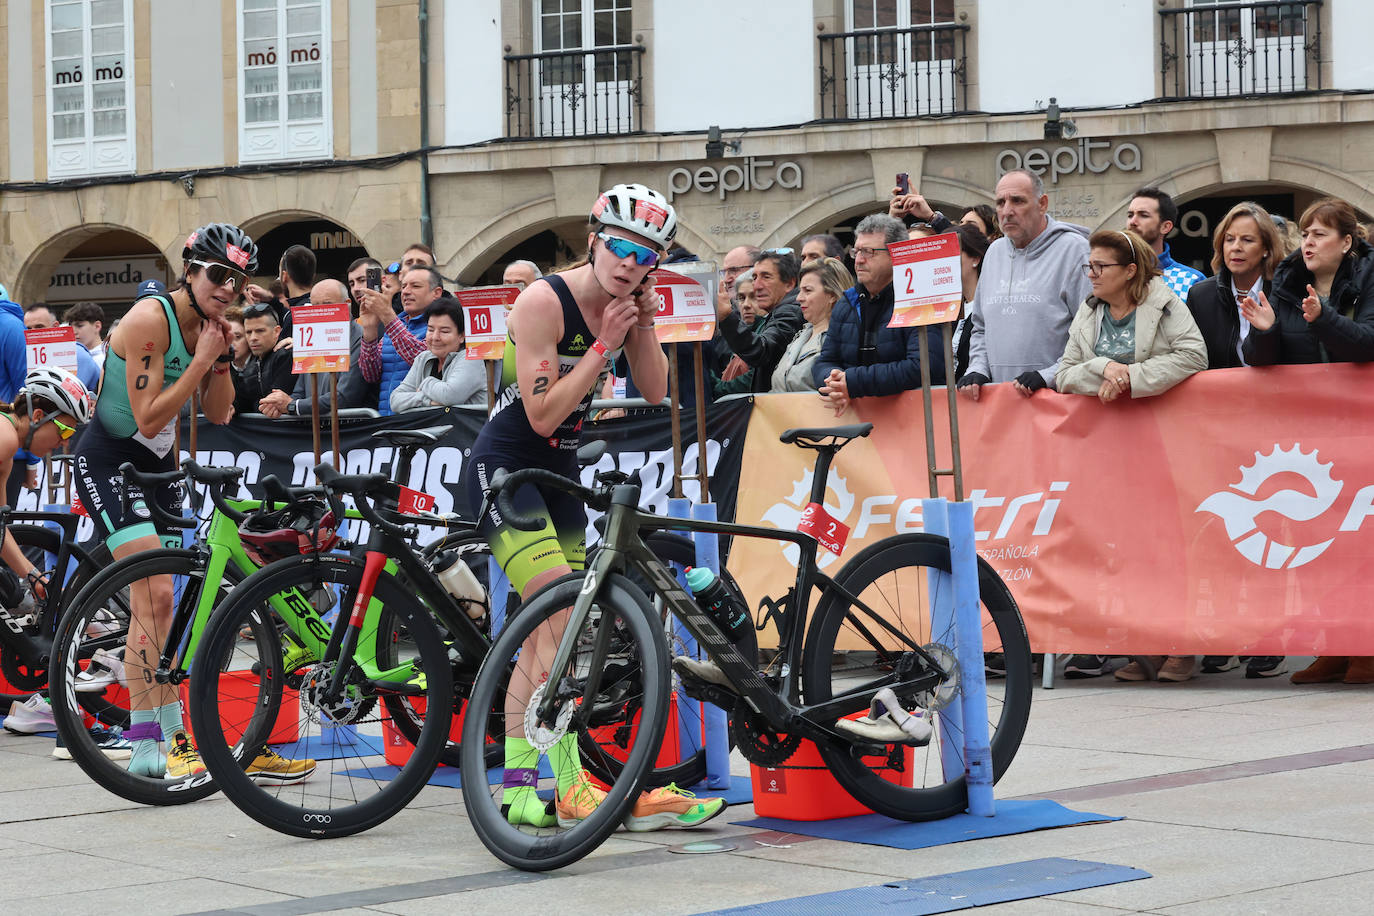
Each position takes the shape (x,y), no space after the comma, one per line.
(870,634)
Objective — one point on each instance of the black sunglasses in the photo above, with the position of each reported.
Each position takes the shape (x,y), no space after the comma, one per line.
(259,309)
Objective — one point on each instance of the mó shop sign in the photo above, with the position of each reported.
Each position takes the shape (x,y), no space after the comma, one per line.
(751,175)
(1071,159)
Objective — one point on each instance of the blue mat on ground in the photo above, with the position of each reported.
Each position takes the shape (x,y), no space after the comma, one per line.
(960,890)
(317,748)
(877,830)
(443,776)
(741,791)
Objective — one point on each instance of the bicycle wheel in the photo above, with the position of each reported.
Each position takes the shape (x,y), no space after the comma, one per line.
(408,719)
(40,546)
(897,579)
(320,780)
(634,677)
(682,758)
(86,686)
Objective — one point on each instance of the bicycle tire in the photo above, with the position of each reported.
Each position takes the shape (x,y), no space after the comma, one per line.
(334,800)
(77,641)
(645,676)
(37,542)
(889,577)
(690,768)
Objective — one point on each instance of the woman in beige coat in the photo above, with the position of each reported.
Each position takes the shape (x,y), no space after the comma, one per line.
(1132,336)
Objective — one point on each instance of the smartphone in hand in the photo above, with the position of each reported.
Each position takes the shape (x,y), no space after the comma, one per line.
(903,183)
(374,278)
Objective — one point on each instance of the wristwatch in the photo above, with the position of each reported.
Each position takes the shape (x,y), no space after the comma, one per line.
(224,358)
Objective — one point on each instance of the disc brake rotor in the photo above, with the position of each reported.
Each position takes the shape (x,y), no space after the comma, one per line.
(944,693)
(314,683)
(541,737)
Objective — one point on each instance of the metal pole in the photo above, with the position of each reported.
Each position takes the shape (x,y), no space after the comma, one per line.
(675,414)
(931,467)
(426,222)
(315,414)
(956,456)
(700,381)
(334,420)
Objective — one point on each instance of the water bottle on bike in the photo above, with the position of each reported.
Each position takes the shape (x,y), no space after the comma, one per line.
(717,601)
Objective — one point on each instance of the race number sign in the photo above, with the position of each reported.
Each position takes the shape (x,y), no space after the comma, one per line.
(320,338)
(54,347)
(927,281)
(484,319)
(414,502)
(685,312)
(824,527)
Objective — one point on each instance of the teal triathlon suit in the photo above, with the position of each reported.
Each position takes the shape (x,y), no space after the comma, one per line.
(508,441)
(112,438)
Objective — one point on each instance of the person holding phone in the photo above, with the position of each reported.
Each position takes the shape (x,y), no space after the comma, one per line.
(563,333)
(912,208)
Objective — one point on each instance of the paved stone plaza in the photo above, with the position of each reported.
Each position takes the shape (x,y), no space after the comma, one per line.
(1238,797)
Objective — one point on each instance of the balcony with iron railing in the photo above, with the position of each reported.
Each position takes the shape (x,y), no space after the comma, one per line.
(598,92)
(1218,50)
(915,72)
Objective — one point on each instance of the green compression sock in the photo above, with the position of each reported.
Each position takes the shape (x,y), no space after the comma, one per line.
(518,796)
(147,760)
(169,717)
(566,762)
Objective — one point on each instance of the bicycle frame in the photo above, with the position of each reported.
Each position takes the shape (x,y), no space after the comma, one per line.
(624,548)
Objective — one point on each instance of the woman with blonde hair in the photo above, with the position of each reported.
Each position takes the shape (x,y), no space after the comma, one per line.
(1246,248)
(819,286)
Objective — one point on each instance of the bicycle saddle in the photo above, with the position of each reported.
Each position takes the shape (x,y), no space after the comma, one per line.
(811,437)
(400,438)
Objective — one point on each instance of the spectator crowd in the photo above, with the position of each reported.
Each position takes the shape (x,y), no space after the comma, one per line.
(1048,306)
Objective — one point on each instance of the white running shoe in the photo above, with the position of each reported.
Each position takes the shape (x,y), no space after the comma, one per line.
(888,723)
(106,668)
(102,624)
(30,717)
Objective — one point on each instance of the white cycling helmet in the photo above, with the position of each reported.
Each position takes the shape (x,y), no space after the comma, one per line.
(637,209)
(60,388)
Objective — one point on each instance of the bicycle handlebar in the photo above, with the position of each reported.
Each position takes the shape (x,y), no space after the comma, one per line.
(215,480)
(146,482)
(363,488)
(502,485)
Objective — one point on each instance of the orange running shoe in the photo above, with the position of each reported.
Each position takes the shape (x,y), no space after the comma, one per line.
(579,801)
(671,807)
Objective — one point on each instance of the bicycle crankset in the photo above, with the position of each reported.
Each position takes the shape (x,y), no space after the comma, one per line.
(758,743)
(22,677)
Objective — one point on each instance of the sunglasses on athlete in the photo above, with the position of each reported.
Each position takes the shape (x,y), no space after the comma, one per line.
(623,248)
(220,274)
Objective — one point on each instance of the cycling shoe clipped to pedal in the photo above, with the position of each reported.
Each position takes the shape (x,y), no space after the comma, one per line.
(887,723)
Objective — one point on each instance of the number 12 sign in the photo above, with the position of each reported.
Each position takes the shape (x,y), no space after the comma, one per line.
(927,281)
(319,338)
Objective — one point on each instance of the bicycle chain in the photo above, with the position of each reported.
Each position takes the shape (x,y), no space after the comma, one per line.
(759,744)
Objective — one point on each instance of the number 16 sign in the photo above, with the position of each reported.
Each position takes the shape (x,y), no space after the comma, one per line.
(927,281)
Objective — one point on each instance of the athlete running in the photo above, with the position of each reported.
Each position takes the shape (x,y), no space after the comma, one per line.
(563,333)
(167,348)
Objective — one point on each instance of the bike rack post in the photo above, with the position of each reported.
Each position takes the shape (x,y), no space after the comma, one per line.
(688,709)
(940,588)
(955,521)
(717,722)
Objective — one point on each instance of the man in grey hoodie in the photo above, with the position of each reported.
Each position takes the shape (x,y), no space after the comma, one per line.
(1031,286)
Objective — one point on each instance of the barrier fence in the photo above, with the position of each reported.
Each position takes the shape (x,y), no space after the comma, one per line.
(1227,515)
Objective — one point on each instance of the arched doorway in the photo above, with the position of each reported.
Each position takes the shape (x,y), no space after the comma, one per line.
(105,268)
(335,247)
(551,249)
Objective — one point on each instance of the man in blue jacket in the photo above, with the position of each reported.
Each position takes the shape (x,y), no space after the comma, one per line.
(861,356)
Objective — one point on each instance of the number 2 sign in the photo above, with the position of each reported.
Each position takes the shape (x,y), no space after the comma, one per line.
(829,532)
(927,281)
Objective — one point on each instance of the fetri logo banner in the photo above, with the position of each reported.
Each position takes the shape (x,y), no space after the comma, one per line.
(1203,521)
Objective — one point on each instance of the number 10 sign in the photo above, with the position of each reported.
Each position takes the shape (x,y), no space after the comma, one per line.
(927,281)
